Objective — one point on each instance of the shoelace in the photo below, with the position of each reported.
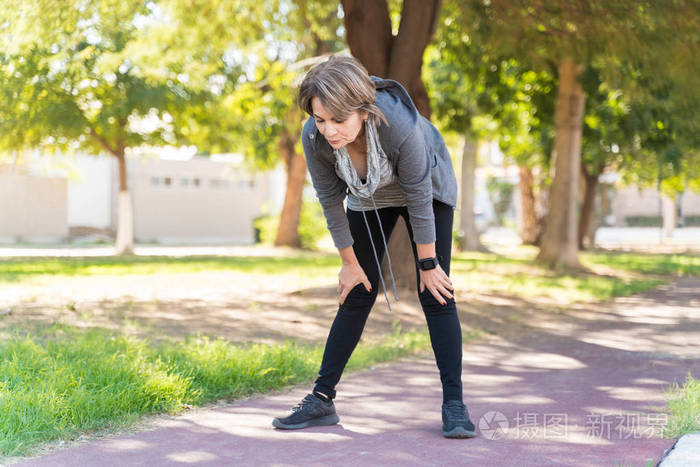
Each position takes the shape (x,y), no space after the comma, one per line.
(304,402)
(456,412)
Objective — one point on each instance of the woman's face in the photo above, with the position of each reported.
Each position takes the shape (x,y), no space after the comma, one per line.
(337,133)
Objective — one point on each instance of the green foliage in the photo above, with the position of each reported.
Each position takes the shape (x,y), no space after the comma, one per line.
(608,129)
(691,221)
(526,132)
(107,75)
(312,225)
(542,34)
(642,89)
(501,196)
(684,408)
(665,150)
(266,227)
(643,221)
(65,382)
(479,91)
(273,44)
(79,77)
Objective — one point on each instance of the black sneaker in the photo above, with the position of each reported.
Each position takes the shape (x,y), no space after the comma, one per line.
(311,411)
(455,421)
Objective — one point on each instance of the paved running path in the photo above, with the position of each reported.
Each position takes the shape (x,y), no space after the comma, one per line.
(584,388)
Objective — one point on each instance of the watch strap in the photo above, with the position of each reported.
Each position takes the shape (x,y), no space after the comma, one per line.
(426,264)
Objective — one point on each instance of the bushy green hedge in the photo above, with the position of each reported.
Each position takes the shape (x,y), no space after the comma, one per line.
(501,195)
(656,221)
(312,225)
(643,221)
(691,221)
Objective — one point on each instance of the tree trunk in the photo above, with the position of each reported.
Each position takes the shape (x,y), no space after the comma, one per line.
(368,32)
(125,217)
(418,23)
(288,231)
(559,245)
(470,235)
(400,57)
(584,224)
(530,228)
(402,262)
(668,216)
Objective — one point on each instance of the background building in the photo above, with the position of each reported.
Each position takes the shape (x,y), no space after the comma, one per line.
(200,200)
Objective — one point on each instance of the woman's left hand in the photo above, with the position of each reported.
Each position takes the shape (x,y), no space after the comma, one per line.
(437,282)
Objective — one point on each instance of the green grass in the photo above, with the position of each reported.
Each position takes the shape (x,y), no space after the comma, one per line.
(684,408)
(521,277)
(15,270)
(65,381)
(315,264)
(627,273)
(667,265)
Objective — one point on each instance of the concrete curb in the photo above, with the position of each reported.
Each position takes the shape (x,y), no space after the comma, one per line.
(685,453)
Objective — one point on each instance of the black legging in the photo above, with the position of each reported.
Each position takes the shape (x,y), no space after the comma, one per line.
(443,321)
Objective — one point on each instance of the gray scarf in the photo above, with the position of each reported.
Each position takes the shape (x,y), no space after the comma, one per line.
(379,174)
(379,170)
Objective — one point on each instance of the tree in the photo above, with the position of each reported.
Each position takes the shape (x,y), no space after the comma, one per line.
(192,77)
(481,94)
(562,36)
(397,56)
(73,78)
(663,150)
(526,126)
(256,111)
(607,134)
(457,70)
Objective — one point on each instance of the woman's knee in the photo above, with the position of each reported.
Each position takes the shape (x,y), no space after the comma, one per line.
(430,304)
(359,300)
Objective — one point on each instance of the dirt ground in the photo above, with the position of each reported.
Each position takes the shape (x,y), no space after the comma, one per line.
(268,309)
(236,306)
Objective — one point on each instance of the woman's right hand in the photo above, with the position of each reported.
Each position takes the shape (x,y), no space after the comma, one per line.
(350,275)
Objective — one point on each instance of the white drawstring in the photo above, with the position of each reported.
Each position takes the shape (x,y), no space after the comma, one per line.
(376,257)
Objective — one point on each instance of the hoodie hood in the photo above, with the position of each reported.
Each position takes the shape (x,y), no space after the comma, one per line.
(398,108)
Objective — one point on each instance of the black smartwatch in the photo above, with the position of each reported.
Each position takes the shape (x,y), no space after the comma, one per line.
(427,264)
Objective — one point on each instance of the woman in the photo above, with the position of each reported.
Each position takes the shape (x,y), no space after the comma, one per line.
(366,141)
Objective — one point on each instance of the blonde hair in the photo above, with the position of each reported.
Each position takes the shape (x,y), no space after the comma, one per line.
(343,86)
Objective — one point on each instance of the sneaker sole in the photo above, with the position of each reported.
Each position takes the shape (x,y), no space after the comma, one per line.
(321,421)
(459,432)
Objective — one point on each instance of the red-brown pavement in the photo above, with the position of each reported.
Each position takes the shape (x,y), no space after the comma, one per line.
(586,388)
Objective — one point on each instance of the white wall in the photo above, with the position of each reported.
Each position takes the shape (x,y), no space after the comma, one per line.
(197,200)
(32,208)
(90,191)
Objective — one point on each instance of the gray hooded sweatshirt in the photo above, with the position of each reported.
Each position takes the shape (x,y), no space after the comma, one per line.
(416,151)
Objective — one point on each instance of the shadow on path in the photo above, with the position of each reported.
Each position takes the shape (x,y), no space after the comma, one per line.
(581,387)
